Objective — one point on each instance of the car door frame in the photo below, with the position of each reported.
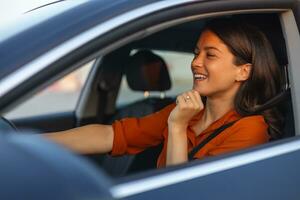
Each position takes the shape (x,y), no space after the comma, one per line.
(146,183)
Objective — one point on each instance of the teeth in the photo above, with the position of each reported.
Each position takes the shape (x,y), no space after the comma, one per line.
(200,76)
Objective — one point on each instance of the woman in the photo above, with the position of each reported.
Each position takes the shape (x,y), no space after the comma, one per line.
(234,71)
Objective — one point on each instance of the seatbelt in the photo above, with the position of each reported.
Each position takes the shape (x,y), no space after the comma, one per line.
(209,138)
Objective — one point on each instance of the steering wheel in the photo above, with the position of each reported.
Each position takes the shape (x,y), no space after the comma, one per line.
(7,126)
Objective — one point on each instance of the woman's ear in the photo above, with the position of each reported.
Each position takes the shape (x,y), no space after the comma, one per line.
(244,72)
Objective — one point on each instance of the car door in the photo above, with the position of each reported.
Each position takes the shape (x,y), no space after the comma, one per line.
(266,172)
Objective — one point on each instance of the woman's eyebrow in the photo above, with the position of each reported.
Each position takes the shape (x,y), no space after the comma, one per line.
(213,48)
(208,48)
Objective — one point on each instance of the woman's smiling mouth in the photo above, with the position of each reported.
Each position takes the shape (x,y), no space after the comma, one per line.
(199,77)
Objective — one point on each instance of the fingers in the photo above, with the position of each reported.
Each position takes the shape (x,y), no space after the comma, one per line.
(180,100)
(183,99)
(198,98)
(190,99)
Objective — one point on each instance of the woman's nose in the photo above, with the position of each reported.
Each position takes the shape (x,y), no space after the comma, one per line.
(198,61)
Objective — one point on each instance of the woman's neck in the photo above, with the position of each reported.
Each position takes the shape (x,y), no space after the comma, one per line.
(216,108)
(219,104)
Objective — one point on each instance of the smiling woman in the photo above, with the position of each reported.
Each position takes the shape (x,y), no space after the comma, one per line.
(244,58)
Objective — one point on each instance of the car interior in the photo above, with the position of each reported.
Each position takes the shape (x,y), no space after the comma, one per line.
(147,72)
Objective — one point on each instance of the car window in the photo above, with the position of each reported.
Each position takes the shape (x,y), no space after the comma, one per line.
(178,64)
(61,96)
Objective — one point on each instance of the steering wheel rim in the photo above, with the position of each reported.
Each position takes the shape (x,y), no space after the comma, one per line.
(7,125)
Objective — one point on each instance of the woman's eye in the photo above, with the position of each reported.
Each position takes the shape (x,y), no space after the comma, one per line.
(210,55)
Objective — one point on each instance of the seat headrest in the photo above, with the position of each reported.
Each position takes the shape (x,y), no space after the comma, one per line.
(111,69)
(147,72)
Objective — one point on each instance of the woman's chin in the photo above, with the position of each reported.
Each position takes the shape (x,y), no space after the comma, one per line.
(201,92)
(204,93)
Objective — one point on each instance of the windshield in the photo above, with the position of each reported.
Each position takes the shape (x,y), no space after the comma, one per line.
(34,17)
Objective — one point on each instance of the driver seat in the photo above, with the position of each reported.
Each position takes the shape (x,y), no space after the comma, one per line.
(146,72)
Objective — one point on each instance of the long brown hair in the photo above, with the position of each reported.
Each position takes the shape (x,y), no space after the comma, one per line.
(249,45)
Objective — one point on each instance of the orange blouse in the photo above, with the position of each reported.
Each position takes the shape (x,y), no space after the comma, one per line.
(133,135)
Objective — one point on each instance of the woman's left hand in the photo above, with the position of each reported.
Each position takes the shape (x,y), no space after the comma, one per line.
(188,105)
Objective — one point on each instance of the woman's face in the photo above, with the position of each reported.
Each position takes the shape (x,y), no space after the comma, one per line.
(214,73)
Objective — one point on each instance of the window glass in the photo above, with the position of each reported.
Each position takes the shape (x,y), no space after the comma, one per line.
(61,96)
(180,72)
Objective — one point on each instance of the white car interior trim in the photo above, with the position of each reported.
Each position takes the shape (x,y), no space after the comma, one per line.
(292,40)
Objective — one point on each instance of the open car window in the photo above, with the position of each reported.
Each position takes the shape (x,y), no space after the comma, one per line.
(178,54)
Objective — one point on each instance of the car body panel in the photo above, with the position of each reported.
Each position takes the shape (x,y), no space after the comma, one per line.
(35,57)
(31,170)
(233,176)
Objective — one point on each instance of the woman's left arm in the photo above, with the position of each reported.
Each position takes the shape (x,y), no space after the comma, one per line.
(177,145)
(188,105)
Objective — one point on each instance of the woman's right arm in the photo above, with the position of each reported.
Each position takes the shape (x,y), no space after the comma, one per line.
(89,139)
(131,135)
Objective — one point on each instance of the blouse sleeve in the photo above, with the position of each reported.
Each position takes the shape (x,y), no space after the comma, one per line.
(247,132)
(133,135)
